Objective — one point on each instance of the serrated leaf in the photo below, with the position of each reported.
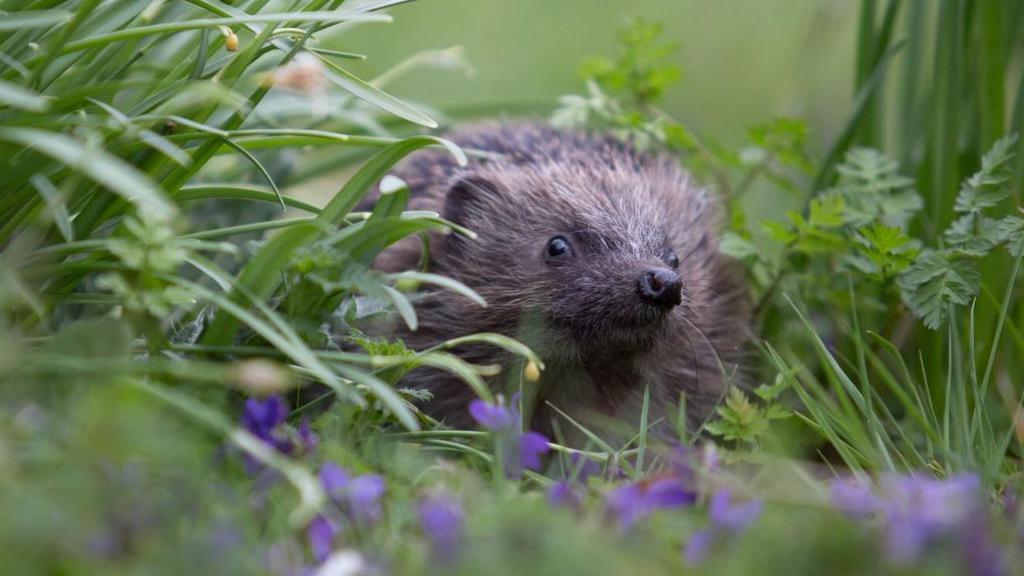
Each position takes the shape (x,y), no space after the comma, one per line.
(974,235)
(934,282)
(779,232)
(882,251)
(826,212)
(739,419)
(1011,231)
(989,185)
(874,189)
(782,382)
(738,247)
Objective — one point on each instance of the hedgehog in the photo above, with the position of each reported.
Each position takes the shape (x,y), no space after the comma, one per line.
(602,258)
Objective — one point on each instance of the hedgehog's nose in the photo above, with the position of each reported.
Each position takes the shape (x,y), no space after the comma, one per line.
(661,287)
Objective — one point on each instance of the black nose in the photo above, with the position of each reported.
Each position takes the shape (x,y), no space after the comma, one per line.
(661,287)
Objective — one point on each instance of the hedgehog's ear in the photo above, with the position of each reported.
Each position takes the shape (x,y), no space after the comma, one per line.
(466,196)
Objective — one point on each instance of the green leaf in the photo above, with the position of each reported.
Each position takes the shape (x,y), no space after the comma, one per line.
(438,280)
(739,419)
(106,169)
(826,212)
(785,139)
(498,340)
(58,209)
(264,272)
(936,281)
(1011,231)
(883,251)
(242,192)
(197,23)
(17,97)
(874,190)
(370,93)
(21,20)
(733,245)
(989,185)
(974,234)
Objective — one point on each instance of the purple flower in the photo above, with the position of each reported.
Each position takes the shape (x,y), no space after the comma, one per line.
(587,469)
(853,497)
(493,417)
(441,520)
(532,446)
(565,494)
(321,533)
(728,518)
(263,419)
(521,451)
(334,479)
(732,516)
(308,440)
(919,510)
(633,502)
(670,492)
(360,495)
(628,504)
(699,546)
(570,492)
(363,496)
(983,556)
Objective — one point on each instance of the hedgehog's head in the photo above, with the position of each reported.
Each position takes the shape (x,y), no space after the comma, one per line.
(603,259)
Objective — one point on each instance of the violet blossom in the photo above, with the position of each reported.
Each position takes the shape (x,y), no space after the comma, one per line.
(441,520)
(570,491)
(495,418)
(321,533)
(264,419)
(918,511)
(307,439)
(521,450)
(727,518)
(633,502)
(565,494)
(360,496)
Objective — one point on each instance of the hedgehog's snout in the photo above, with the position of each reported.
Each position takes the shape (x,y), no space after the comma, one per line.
(660,287)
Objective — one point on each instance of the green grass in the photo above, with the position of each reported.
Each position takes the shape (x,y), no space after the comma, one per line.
(161,263)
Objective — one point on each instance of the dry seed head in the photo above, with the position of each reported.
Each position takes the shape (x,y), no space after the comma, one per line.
(260,377)
(305,73)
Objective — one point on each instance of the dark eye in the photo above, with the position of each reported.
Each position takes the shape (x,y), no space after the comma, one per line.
(558,246)
(672,260)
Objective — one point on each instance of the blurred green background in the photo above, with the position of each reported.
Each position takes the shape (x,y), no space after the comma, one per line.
(743,61)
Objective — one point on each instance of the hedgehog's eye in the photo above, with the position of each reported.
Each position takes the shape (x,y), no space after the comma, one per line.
(672,259)
(558,247)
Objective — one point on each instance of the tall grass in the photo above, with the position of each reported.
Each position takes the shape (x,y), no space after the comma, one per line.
(948,398)
(155,272)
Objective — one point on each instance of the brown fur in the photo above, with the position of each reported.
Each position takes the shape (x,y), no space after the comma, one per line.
(622,210)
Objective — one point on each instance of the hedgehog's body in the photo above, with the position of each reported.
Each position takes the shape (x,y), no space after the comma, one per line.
(603,260)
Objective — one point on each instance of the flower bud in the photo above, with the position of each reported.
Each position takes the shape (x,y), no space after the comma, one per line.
(532,371)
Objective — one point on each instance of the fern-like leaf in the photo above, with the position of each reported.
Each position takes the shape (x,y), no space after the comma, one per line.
(935,281)
(874,190)
(989,185)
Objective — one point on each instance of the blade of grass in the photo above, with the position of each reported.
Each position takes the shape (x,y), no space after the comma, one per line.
(262,274)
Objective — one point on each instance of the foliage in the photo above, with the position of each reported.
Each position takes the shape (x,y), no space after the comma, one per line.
(186,387)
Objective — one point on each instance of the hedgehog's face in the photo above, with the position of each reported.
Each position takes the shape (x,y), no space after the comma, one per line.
(598,269)
(609,292)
